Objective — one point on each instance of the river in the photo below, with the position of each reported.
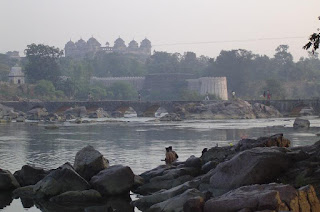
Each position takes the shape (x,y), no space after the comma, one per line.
(136,142)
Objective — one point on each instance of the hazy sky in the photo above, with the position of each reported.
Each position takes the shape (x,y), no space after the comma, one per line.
(54,22)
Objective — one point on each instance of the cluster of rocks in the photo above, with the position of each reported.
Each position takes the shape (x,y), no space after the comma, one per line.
(90,184)
(8,114)
(235,109)
(263,174)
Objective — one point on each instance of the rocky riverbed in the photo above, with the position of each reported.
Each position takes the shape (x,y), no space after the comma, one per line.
(263,174)
(235,109)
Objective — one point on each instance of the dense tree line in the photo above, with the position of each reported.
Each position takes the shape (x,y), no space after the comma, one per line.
(248,74)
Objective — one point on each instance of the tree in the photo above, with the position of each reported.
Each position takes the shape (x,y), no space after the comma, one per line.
(314,41)
(163,62)
(122,91)
(43,63)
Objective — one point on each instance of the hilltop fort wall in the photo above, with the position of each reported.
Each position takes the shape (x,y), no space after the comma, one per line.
(167,82)
(211,85)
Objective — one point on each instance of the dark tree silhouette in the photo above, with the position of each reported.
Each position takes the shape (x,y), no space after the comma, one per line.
(314,41)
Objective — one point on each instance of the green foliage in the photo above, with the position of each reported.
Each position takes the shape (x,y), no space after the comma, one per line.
(122,91)
(117,65)
(163,62)
(43,63)
(44,88)
(275,88)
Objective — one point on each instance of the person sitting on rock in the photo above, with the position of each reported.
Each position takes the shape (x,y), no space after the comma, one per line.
(175,154)
(171,156)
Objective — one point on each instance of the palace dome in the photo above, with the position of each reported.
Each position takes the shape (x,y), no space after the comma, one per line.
(133,44)
(145,43)
(93,41)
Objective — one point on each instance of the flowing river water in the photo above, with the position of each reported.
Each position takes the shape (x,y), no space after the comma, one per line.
(136,142)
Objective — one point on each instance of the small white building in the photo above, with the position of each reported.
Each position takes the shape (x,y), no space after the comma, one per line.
(16,76)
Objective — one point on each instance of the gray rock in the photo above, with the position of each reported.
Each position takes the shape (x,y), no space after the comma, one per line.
(301,123)
(114,180)
(76,112)
(5,199)
(194,162)
(264,111)
(89,162)
(77,197)
(218,154)
(274,197)
(155,186)
(60,180)
(24,192)
(208,166)
(37,113)
(99,113)
(7,181)
(176,203)
(145,202)
(254,166)
(29,175)
(171,117)
(20,119)
(117,114)
(274,140)
(195,204)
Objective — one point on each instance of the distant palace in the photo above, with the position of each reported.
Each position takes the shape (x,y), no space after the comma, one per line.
(81,48)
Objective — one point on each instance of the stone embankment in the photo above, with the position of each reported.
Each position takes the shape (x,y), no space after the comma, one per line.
(263,174)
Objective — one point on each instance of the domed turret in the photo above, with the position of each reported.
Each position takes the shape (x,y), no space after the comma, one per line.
(70,44)
(81,43)
(133,44)
(145,47)
(69,48)
(145,43)
(93,42)
(119,45)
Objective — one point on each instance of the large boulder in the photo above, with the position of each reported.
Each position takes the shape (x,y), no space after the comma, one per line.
(60,180)
(114,180)
(76,111)
(98,113)
(301,123)
(29,175)
(89,162)
(168,179)
(37,113)
(79,197)
(275,140)
(264,111)
(254,166)
(7,181)
(7,112)
(5,199)
(218,154)
(145,202)
(274,197)
(176,203)
(171,117)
